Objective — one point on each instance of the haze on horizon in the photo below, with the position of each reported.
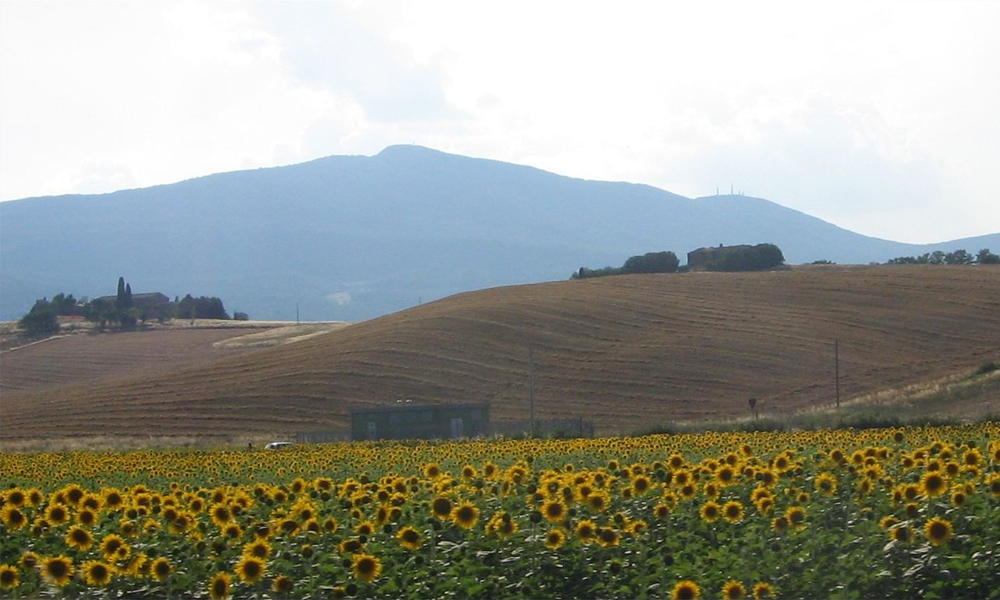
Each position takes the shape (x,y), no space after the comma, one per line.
(879,117)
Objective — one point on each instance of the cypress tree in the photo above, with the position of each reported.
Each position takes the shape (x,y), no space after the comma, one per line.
(128,295)
(120,300)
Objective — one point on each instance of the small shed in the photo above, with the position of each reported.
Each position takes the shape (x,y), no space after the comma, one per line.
(420,421)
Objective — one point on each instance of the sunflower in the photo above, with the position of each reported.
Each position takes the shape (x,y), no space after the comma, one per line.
(763,590)
(686,590)
(688,491)
(221,514)
(933,484)
(661,511)
(641,484)
(409,538)
(96,574)
(13,517)
(258,549)
(218,586)
(598,501)
(780,524)
(29,560)
(350,546)
(160,569)
(366,567)
(725,475)
(733,590)
(710,511)
(250,569)
(608,537)
(465,515)
(938,531)
(110,546)
(887,522)
(86,517)
(365,528)
(57,514)
(826,484)
(9,577)
(554,539)
(282,585)
(79,538)
(58,570)
(732,511)
(554,511)
(586,530)
(901,533)
(441,507)
(796,517)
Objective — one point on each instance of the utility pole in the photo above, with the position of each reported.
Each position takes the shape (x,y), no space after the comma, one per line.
(836,361)
(531,386)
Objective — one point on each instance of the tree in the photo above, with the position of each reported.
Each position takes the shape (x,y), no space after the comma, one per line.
(985,257)
(120,298)
(128,295)
(652,262)
(40,320)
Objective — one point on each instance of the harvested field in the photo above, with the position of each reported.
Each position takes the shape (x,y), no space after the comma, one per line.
(628,352)
(84,359)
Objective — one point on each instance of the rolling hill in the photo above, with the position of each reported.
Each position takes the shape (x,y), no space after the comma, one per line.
(353,237)
(628,352)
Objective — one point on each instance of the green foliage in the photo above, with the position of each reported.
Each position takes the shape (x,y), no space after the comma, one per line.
(241,316)
(987,367)
(958,257)
(41,320)
(200,308)
(985,257)
(746,258)
(651,262)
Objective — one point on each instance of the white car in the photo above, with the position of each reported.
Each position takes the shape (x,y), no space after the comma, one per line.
(277,445)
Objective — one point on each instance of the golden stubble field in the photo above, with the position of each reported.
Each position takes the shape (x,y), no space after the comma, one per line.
(628,352)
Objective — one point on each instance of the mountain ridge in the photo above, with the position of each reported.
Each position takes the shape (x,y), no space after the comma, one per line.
(354,237)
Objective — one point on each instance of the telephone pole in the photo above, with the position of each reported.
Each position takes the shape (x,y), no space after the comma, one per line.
(531,386)
(836,362)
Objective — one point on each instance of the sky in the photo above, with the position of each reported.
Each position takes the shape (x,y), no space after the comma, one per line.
(880,117)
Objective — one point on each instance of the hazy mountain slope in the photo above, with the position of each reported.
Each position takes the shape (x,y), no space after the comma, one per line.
(629,352)
(350,238)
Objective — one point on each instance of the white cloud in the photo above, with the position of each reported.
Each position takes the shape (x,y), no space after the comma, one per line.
(340,298)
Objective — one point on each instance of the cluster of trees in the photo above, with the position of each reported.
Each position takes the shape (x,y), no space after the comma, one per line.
(122,313)
(746,258)
(651,262)
(958,257)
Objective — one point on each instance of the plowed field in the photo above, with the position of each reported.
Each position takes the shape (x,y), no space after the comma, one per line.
(628,352)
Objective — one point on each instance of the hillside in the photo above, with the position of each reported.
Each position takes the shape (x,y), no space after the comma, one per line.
(353,237)
(628,352)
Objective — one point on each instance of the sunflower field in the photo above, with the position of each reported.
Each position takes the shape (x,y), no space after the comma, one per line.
(911,512)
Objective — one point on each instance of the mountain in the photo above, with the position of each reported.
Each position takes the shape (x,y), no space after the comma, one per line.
(354,237)
(628,353)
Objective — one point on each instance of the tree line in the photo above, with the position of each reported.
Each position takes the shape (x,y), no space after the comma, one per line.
(122,313)
(958,257)
(651,262)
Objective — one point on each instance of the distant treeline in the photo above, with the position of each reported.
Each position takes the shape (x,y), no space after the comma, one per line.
(958,257)
(123,311)
(651,262)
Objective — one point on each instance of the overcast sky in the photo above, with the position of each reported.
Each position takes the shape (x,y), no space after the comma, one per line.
(878,117)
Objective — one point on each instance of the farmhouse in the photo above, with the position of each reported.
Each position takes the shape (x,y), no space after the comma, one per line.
(702,257)
(420,421)
(140,301)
